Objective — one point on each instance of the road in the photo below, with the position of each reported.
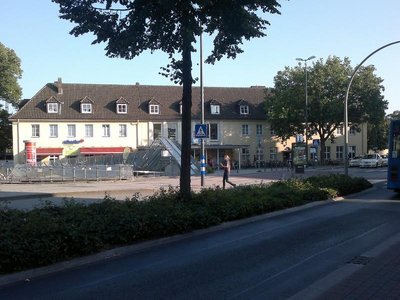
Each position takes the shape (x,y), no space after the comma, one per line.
(273,257)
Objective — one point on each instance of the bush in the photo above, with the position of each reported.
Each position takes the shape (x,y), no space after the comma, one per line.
(46,235)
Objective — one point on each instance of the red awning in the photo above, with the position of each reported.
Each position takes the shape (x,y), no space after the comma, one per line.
(101,150)
(49,151)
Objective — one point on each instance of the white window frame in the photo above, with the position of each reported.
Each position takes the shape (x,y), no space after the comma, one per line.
(339,130)
(215,109)
(71,128)
(52,108)
(259,129)
(339,152)
(154,109)
(53,128)
(327,152)
(35,130)
(245,129)
(212,131)
(122,108)
(106,130)
(123,130)
(86,108)
(88,130)
(245,153)
(244,109)
(273,153)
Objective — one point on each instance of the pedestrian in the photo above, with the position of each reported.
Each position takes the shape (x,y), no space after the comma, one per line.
(226,165)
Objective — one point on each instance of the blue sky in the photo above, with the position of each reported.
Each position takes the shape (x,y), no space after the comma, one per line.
(345,28)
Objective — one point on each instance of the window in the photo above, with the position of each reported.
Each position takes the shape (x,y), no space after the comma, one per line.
(156,131)
(260,154)
(213,131)
(244,109)
(53,130)
(352,130)
(122,108)
(35,130)
(272,131)
(246,156)
(52,108)
(339,130)
(339,152)
(245,129)
(71,130)
(86,108)
(106,130)
(259,129)
(272,153)
(154,109)
(215,109)
(122,130)
(327,152)
(352,151)
(88,130)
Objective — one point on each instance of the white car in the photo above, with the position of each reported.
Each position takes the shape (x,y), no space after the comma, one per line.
(371,161)
(355,161)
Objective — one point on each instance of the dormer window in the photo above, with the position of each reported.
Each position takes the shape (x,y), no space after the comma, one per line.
(86,105)
(154,109)
(244,109)
(215,109)
(86,108)
(122,108)
(52,108)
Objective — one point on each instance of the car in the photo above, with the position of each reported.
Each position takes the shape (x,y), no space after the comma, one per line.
(371,161)
(355,161)
(384,160)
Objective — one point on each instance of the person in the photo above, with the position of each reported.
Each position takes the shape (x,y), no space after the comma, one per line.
(226,165)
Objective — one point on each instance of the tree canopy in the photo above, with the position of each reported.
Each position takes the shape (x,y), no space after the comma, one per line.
(130,27)
(10,72)
(326,89)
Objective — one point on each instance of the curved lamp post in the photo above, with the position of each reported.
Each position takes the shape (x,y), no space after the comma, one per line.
(306,114)
(346,120)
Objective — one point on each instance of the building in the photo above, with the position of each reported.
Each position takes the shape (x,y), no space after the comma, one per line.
(73,120)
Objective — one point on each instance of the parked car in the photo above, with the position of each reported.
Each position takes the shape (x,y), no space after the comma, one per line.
(355,161)
(384,160)
(371,161)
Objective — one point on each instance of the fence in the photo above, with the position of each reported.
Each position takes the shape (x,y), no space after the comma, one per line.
(26,173)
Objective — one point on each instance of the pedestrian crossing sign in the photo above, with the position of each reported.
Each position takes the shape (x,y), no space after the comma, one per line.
(200,131)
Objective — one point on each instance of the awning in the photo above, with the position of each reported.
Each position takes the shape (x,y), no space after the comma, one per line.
(102,150)
(49,151)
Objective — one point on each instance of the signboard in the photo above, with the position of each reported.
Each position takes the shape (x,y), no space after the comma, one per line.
(200,131)
(299,157)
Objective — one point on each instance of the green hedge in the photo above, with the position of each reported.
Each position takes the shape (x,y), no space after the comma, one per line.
(50,234)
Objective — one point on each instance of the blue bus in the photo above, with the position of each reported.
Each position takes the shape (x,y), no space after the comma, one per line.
(393,175)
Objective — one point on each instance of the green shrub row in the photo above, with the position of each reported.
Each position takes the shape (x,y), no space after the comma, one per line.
(50,234)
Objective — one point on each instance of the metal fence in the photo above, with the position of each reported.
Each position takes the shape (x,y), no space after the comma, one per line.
(26,173)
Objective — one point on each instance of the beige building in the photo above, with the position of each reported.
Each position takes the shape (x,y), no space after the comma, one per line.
(76,120)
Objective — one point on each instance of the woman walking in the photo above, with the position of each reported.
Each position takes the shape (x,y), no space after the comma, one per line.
(226,165)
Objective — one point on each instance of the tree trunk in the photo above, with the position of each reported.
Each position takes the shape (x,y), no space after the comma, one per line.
(186,119)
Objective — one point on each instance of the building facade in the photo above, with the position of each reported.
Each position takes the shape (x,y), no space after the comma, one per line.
(76,120)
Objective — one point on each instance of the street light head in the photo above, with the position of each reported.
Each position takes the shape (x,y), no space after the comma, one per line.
(311,57)
(299,59)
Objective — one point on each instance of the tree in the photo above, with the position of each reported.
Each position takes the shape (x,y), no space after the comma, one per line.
(10,72)
(5,131)
(131,27)
(327,84)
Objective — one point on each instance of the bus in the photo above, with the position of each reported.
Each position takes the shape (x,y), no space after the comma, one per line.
(393,171)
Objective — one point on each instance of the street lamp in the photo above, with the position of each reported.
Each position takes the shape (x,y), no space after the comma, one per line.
(306,114)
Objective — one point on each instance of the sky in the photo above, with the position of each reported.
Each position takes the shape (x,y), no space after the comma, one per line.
(321,28)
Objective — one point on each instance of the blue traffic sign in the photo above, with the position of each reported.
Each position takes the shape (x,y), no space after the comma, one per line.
(200,131)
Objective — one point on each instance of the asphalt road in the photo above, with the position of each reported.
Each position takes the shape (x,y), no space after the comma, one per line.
(270,258)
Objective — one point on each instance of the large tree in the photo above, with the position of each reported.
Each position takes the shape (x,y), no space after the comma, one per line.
(5,131)
(10,72)
(129,27)
(326,90)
